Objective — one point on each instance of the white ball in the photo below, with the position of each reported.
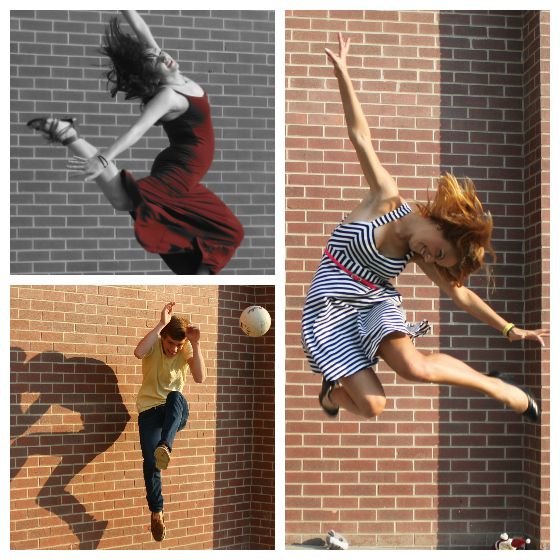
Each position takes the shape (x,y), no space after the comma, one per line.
(254,320)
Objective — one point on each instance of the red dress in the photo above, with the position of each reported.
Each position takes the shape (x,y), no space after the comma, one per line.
(174,213)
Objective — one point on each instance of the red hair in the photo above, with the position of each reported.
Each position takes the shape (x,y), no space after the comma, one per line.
(458,213)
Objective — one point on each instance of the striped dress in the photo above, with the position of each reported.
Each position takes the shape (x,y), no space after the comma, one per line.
(344,321)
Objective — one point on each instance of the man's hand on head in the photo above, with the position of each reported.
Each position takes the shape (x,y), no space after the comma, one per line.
(167,312)
(193,334)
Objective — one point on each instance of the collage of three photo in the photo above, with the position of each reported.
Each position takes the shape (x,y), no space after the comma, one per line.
(279,280)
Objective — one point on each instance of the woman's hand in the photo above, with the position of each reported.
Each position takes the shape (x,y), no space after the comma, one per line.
(87,168)
(140,28)
(339,61)
(167,312)
(521,334)
(193,334)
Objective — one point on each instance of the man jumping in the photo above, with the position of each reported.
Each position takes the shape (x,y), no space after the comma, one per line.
(168,352)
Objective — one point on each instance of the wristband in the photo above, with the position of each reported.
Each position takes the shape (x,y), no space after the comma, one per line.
(103,161)
(507,329)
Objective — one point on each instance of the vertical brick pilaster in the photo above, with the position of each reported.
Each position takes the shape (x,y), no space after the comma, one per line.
(536,148)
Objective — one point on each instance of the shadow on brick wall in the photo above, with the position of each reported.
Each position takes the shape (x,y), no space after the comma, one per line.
(480,474)
(262,491)
(80,386)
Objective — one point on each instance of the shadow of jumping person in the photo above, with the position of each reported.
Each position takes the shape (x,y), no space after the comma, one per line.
(81,385)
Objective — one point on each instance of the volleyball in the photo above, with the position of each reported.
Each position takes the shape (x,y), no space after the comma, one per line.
(254,320)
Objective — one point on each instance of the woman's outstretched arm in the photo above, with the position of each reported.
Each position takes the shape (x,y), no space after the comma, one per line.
(469,302)
(164,102)
(376,175)
(140,28)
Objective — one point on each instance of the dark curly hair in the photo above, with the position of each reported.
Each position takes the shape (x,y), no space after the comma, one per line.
(131,68)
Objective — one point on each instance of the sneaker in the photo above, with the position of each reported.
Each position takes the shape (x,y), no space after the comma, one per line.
(163,456)
(335,541)
(158,526)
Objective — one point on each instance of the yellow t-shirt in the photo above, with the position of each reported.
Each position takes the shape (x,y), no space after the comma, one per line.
(161,375)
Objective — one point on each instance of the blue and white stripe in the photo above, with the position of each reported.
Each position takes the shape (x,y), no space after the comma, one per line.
(344,321)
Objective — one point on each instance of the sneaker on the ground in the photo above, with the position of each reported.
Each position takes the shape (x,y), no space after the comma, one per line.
(335,541)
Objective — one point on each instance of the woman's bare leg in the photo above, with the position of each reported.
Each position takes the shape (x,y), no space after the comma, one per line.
(360,393)
(400,355)
(110,180)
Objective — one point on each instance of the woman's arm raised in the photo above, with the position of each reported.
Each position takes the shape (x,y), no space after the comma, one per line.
(378,178)
(140,28)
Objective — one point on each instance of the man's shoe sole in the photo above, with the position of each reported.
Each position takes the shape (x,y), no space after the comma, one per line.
(163,457)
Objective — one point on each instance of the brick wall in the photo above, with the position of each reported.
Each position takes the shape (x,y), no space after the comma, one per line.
(76,464)
(536,86)
(61,225)
(247,396)
(443,91)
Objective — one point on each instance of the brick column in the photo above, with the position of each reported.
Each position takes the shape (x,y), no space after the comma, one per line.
(536,448)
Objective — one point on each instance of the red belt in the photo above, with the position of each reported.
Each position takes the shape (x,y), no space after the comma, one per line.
(350,273)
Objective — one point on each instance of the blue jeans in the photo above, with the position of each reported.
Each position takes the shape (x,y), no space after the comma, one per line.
(158,425)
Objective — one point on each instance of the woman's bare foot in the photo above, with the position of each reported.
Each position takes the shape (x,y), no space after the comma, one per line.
(55,130)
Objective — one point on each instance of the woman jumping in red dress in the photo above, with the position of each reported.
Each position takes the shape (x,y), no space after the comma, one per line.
(174,214)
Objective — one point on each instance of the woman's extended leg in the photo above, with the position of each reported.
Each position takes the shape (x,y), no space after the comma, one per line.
(109,181)
(400,355)
(360,393)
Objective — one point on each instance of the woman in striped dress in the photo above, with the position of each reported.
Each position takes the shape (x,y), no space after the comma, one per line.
(352,315)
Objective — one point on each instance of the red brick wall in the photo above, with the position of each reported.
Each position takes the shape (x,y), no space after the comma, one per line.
(536,456)
(443,91)
(76,461)
(247,397)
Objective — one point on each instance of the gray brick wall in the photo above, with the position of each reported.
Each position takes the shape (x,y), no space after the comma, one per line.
(61,225)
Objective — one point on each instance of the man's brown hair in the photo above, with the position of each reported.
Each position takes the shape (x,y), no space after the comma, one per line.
(176,328)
